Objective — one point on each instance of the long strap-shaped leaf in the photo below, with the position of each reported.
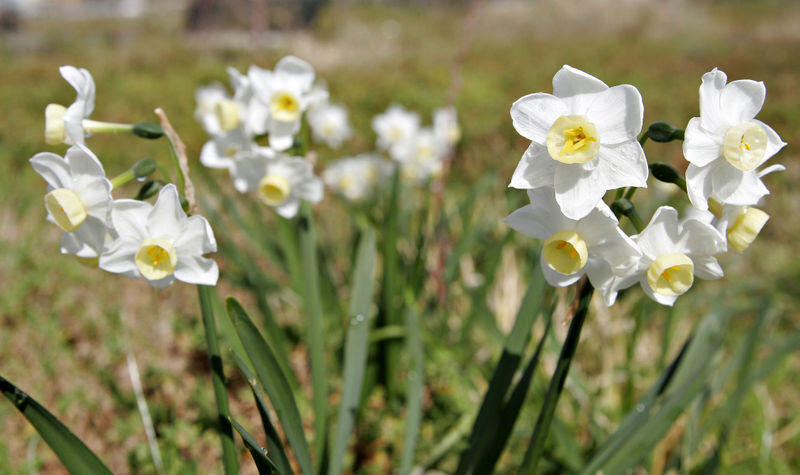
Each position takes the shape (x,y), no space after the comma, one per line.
(229,459)
(260,457)
(355,348)
(414,385)
(528,312)
(536,447)
(271,377)
(70,450)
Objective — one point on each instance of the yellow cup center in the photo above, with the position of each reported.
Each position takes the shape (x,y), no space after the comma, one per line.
(54,131)
(572,139)
(274,189)
(671,274)
(745,228)
(227,113)
(565,252)
(66,208)
(156,258)
(744,145)
(284,106)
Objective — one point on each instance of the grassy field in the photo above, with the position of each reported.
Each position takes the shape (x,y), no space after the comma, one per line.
(65,329)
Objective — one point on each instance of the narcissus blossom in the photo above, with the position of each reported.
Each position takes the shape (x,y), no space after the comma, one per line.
(593,245)
(208,100)
(329,124)
(358,177)
(420,156)
(726,144)
(445,126)
(160,243)
(221,151)
(287,91)
(281,181)
(394,126)
(65,124)
(741,225)
(673,253)
(78,198)
(583,140)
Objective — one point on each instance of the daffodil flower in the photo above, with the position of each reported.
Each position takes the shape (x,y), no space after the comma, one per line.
(329,124)
(160,243)
(673,253)
(726,144)
(281,181)
(420,156)
(445,126)
(394,126)
(78,199)
(583,140)
(287,91)
(208,109)
(593,245)
(65,124)
(358,177)
(221,151)
(741,225)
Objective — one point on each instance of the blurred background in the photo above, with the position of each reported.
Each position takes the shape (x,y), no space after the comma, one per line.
(66,329)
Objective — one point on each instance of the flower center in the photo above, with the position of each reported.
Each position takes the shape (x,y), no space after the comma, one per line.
(565,252)
(671,274)
(156,258)
(744,145)
(425,152)
(54,131)
(572,139)
(746,227)
(274,189)
(231,150)
(227,113)
(284,107)
(66,208)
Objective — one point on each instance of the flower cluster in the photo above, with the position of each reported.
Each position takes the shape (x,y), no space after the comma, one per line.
(584,142)
(137,239)
(268,104)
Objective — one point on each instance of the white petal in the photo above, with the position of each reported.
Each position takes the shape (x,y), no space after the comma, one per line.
(570,81)
(300,71)
(534,114)
(535,169)
(248,170)
(83,162)
(618,251)
(557,279)
(540,219)
(196,239)
(698,184)
(662,299)
(661,234)
(602,279)
(129,218)
(86,241)
(281,134)
(700,147)
(707,267)
(288,209)
(711,115)
(311,190)
(617,113)
(741,100)
(621,165)
(167,218)
(119,258)
(53,168)
(162,283)
(771,169)
(210,156)
(725,180)
(95,193)
(577,190)
(774,142)
(197,270)
(749,192)
(81,80)
(700,238)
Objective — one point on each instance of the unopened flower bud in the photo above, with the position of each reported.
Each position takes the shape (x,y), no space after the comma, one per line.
(144,167)
(148,130)
(661,131)
(149,188)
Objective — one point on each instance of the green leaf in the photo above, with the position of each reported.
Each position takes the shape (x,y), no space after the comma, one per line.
(468,230)
(260,457)
(536,446)
(274,444)
(73,453)
(229,459)
(272,380)
(389,351)
(355,348)
(517,339)
(414,385)
(316,329)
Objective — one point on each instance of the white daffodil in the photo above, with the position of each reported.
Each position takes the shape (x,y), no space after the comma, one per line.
(78,198)
(160,243)
(281,181)
(221,151)
(209,108)
(673,253)
(583,140)
(421,155)
(358,177)
(394,126)
(287,91)
(593,245)
(445,126)
(726,143)
(329,124)
(741,225)
(65,124)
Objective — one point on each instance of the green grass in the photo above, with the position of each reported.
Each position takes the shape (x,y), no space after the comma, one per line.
(59,329)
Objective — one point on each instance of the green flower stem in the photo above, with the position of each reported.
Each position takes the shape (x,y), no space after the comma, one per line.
(630,192)
(122,178)
(229,458)
(540,431)
(643,138)
(97,127)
